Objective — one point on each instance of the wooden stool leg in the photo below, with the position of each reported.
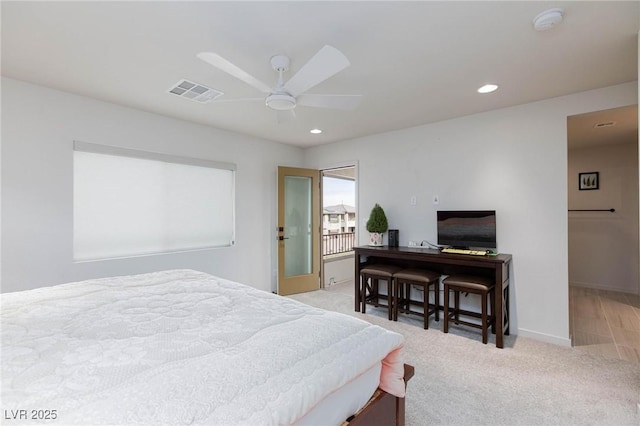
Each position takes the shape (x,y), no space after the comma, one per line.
(484,318)
(402,293)
(389,299)
(445,327)
(365,285)
(425,305)
(456,305)
(406,293)
(376,291)
(396,297)
(363,291)
(492,300)
(436,298)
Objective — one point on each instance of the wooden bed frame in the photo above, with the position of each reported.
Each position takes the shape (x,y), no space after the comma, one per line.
(383,409)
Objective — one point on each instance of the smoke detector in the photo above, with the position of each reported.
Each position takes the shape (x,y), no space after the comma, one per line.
(548,19)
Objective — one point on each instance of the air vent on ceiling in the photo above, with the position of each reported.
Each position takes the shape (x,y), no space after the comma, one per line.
(194,91)
(605,124)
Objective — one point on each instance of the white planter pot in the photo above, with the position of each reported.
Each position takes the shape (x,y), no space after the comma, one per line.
(376,239)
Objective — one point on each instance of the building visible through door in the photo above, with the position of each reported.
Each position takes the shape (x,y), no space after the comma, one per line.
(339,223)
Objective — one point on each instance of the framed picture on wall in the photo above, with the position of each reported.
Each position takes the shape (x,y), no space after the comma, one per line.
(590,180)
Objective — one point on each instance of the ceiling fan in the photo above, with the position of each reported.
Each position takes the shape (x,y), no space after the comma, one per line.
(327,62)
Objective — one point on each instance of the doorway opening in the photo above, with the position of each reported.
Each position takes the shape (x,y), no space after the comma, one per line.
(603,226)
(339,223)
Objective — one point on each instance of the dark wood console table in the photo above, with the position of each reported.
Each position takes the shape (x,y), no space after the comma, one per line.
(496,267)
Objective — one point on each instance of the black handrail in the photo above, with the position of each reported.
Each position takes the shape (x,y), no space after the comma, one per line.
(594,210)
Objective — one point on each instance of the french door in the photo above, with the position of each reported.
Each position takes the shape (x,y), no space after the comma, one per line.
(298,230)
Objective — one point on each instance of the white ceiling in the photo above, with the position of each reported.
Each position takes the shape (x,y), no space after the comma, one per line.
(608,127)
(413,62)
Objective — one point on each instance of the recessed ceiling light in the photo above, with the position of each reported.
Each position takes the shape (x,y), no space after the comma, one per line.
(488,88)
(315,131)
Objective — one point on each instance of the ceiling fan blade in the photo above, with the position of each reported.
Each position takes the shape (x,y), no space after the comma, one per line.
(324,64)
(346,102)
(231,69)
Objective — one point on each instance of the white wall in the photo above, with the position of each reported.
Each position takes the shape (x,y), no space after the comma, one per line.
(513,160)
(39,126)
(603,246)
(338,270)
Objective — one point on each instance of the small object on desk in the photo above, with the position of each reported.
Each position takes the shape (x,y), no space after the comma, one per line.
(463,251)
(394,238)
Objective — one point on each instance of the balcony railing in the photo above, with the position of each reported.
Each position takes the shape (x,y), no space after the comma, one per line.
(337,243)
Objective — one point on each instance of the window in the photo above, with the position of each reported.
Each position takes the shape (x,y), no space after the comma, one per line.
(129,203)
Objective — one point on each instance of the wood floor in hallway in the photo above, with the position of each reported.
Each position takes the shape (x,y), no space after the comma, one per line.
(605,322)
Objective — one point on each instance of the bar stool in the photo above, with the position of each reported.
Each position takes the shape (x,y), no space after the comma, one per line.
(376,273)
(407,278)
(469,284)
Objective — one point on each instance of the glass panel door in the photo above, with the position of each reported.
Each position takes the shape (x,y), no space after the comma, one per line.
(297,226)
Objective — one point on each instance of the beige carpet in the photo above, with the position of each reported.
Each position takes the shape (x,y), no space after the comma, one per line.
(460,381)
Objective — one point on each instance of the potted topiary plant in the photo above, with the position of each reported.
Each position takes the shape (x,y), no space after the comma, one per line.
(377,225)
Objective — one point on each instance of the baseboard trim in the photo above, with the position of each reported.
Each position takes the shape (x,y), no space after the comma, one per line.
(594,286)
(547,338)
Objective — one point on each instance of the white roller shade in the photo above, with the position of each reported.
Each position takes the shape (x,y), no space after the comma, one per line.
(131,203)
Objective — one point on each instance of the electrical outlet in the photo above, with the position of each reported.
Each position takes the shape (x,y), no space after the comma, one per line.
(414,200)
(436,199)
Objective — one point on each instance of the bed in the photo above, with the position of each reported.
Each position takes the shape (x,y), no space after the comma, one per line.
(185,347)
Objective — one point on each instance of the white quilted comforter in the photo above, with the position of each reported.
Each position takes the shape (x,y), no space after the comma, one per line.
(176,347)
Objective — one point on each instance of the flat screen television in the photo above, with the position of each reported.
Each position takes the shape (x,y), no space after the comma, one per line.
(467,228)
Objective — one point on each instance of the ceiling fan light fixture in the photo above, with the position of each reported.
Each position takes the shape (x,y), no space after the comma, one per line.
(281,102)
